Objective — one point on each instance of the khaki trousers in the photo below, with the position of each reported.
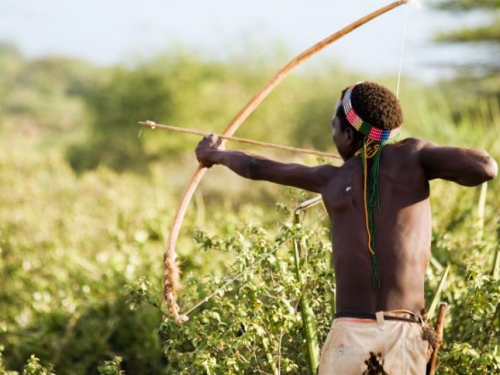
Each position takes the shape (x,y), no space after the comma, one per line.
(350,341)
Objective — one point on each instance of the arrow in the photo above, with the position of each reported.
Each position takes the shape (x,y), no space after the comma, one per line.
(153,125)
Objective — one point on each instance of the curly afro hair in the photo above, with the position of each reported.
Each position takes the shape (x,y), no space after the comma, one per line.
(375,104)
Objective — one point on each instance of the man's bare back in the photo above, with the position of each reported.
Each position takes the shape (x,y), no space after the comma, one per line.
(402,224)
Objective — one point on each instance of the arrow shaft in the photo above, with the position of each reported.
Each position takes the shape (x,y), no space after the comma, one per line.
(153,125)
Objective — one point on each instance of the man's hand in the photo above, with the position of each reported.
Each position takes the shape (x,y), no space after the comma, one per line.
(206,147)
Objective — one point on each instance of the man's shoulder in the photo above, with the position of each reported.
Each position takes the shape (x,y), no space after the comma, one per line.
(414,143)
(411,146)
(327,171)
(406,154)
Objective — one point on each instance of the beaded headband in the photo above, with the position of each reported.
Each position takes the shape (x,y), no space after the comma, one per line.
(370,131)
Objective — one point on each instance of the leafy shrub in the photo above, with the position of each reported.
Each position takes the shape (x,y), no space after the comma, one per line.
(250,322)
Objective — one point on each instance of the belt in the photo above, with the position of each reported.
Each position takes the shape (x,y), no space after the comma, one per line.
(388,315)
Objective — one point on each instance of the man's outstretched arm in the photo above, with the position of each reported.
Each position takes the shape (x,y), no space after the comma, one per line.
(465,166)
(254,167)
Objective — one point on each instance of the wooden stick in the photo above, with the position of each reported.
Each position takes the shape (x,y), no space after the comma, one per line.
(443,308)
(153,125)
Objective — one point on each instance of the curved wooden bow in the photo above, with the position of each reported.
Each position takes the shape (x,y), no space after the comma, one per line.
(172,272)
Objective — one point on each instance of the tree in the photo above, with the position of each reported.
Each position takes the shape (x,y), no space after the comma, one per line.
(116,103)
(486,34)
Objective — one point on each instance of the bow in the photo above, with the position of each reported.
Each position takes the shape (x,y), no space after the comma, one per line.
(171,267)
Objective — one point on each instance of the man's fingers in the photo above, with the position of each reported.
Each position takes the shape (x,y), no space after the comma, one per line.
(219,143)
(215,141)
(213,138)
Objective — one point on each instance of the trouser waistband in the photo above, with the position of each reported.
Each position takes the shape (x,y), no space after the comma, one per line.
(404,316)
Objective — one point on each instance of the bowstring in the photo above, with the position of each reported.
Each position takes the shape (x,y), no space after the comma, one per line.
(403,42)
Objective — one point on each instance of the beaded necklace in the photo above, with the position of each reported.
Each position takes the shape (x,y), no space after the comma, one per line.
(374,141)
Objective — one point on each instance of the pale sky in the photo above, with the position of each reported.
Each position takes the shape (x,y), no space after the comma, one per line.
(111,31)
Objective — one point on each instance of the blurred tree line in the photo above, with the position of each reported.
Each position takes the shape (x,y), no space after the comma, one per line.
(42,98)
(93,112)
(486,32)
(477,71)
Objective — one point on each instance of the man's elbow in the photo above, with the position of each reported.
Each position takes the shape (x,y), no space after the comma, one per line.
(490,168)
(483,169)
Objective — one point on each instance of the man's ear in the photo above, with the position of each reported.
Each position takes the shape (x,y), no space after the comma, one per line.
(350,136)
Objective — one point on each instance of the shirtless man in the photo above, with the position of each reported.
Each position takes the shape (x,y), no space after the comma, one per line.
(379,278)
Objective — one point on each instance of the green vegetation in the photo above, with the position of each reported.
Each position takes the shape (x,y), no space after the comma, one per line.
(86,205)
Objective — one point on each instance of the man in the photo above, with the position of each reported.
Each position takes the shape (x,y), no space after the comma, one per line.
(378,203)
